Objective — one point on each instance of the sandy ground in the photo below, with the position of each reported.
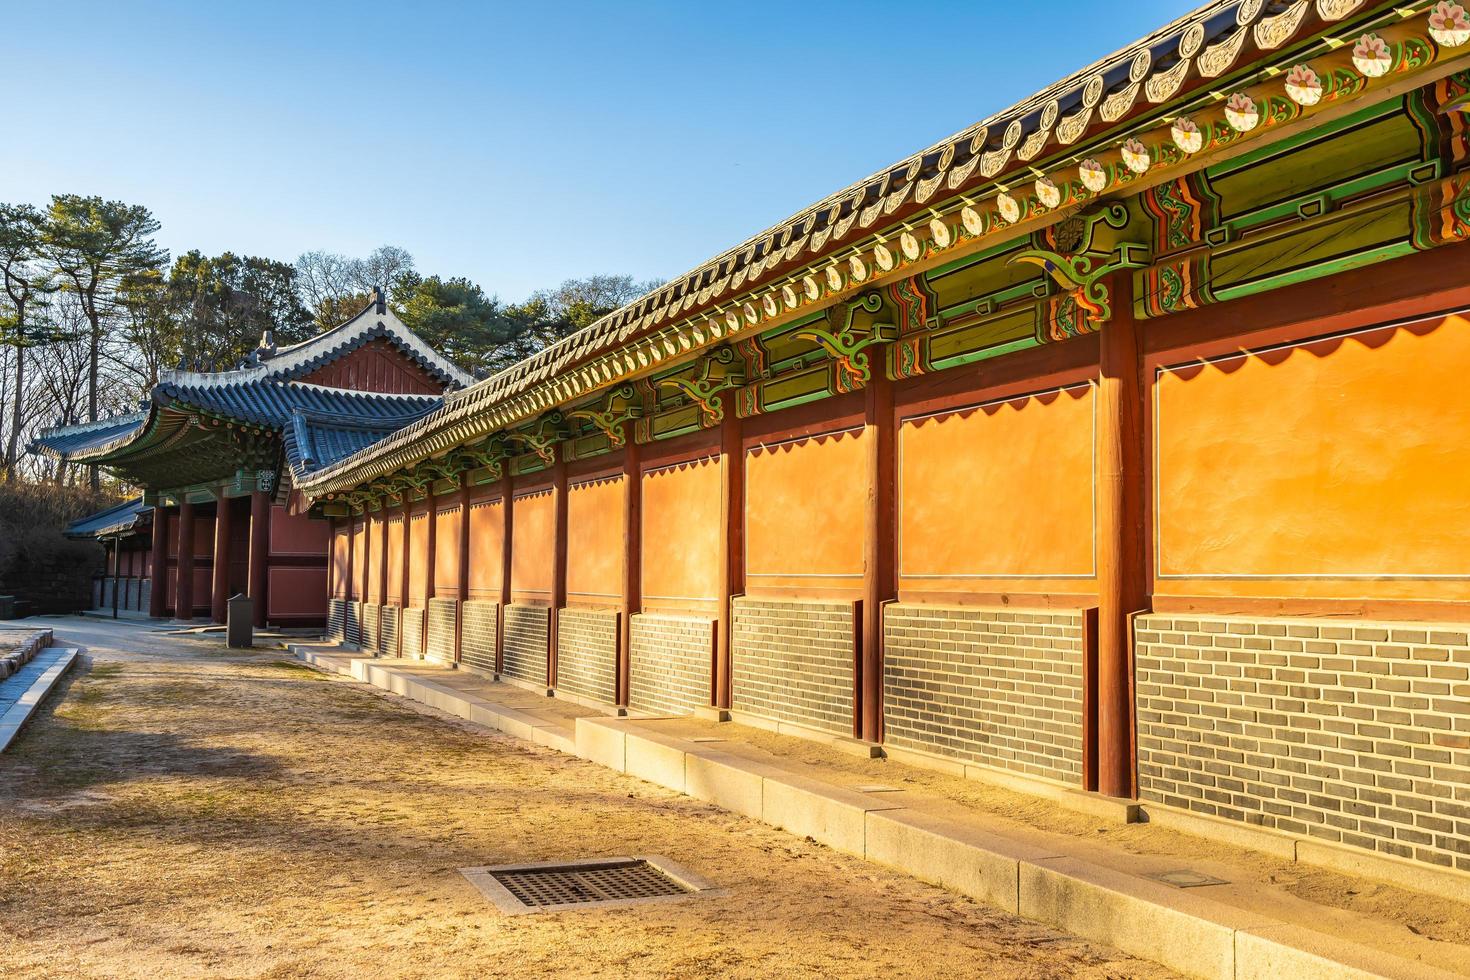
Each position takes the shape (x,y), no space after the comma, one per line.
(177,811)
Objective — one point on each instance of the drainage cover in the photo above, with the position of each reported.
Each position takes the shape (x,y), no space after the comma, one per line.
(1185,878)
(558,885)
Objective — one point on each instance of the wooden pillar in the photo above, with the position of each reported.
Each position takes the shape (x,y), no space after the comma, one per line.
(1122,587)
(116,571)
(557,563)
(879,583)
(219,586)
(184,590)
(351,547)
(732,557)
(507,511)
(258,576)
(158,587)
(404,561)
(383,561)
(367,552)
(464,562)
(431,547)
(632,560)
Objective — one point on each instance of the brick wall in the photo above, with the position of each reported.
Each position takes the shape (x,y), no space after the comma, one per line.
(145,595)
(527,634)
(994,686)
(669,663)
(388,631)
(372,622)
(411,626)
(477,639)
(352,623)
(587,652)
(442,615)
(336,618)
(793,661)
(1347,731)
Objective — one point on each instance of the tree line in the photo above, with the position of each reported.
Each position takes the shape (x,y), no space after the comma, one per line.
(93,310)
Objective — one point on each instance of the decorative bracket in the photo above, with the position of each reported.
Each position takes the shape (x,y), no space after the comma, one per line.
(719,371)
(847,346)
(1082,275)
(541,438)
(622,406)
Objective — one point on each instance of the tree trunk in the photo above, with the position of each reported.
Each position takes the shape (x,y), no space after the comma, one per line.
(20,380)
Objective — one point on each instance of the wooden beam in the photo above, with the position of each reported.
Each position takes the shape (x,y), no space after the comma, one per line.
(403,563)
(507,512)
(432,547)
(632,560)
(259,571)
(880,585)
(158,589)
(732,557)
(1121,579)
(382,564)
(184,588)
(219,592)
(464,562)
(559,563)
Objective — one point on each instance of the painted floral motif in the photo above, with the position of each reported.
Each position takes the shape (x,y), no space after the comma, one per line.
(1009,208)
(1303,86)
(834,278)
(972,220)
(1449,25)
(858,268)
(1241,113)
(1092,175)
(909,243)
(811,287)
(1047,192)
(1186,135)
(789,297)
(768,303)
(1135,156)
(1371,56)
(883,255)
(939,231)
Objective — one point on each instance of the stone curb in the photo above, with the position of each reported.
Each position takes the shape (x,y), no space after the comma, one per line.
(19,713)
(1182,930)
(24,653)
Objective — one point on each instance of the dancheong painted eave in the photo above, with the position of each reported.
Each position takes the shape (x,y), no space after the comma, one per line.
(1225,79)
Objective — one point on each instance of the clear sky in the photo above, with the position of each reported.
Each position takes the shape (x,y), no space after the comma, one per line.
(516,144)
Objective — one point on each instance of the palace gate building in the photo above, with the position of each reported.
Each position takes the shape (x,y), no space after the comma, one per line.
(1118,442)
(220,453)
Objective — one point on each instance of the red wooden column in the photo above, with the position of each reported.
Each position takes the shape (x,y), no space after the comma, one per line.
(260,537)
(507,510)
(732,557)
(1122,588)
(879,584)
(431,547)
(403,560)
(219,591)
(464,562)
(383,564)
(184,589)
(351,546)
(559,561)
(632,559)
(158,587)
(367,554)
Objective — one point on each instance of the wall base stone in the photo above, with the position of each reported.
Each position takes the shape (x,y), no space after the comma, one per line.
(527,640)
(793,660)
(670,663)
(587,653)
(443,617)
(477,635)
(411,629)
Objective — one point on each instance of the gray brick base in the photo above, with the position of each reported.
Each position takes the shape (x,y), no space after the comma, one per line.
(527,635)
(793,661)
(993,686)
(336,618)
(587,652)
(442,618)
(411,623)
(388,631)
(352,623)
(1347,731)
(477,635)
(372,623)
(669,664)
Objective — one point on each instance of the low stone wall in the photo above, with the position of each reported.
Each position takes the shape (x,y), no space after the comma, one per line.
(587,653)
(372,624)
(352,624)
(1353,732)
(527,639)
(477,635)
(443,616)
(336,619)
(670,660)
(27,644)
(793,661)
(411,630)
(994,686)
(388,630)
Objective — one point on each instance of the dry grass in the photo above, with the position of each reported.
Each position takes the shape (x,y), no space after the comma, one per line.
(206,815)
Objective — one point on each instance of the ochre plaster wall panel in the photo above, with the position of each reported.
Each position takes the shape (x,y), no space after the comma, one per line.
(533,538)
(487,541)
(340,567)
(681,534)
(595,540)
(418,558)
(805,500)
(1332,468)
(999,496)
(395,559)
(446,551)
(374,591)
(359,563)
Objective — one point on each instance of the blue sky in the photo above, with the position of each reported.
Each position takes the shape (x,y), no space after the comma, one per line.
(517,144)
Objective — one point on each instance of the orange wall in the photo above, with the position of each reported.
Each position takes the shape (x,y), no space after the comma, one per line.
(805,502)
(418,558)
(998,497)
(595,540)
(395,559)
(487,541)
(533,537)
(340,567)
(1327,469)
(446,552)
(375,559)
(359,563)
(682,533)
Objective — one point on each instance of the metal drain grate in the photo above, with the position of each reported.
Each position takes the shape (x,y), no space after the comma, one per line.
(555,886)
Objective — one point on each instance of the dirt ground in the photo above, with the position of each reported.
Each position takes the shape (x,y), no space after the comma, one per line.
(177,811)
